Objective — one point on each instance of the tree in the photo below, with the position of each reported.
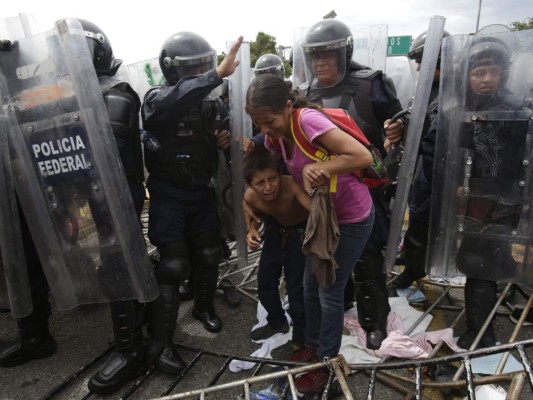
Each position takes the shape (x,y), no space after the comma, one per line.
(522,25)
(266,44)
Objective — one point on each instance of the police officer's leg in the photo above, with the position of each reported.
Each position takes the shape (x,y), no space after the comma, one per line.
(127,360)
(172,269)
(370,282)
(480,297)
(415,243)
(207,256)
(34,339)
(372,299)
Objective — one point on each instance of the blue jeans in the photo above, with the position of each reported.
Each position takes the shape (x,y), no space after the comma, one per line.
(325,306)
(283,253)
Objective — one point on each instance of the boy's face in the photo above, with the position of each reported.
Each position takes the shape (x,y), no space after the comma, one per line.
(267,184)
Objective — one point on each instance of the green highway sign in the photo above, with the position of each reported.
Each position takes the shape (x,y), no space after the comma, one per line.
(398,45)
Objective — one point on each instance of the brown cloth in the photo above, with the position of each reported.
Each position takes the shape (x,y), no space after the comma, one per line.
(322,236)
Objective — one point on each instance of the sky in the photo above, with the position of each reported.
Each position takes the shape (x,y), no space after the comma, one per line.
(138,29)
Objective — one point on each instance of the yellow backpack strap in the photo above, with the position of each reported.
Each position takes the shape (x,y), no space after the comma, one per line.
(312,151)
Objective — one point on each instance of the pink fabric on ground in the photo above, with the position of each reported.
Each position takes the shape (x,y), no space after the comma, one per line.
(398,344)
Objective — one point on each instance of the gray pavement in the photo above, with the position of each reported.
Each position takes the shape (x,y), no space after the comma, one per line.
(83,334)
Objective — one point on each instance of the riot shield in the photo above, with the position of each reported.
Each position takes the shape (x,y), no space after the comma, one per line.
(413,136)
(14,28)
(481,223)
(369,43)
(142,75)
(240,128)
(399,71)
(14,285)
(298,62)
(68,175)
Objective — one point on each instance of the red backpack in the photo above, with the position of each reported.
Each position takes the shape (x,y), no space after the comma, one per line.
(373,176)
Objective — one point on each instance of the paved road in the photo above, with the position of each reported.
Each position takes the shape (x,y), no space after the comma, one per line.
(84,334)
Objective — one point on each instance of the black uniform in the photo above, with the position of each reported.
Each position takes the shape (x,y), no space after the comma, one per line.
(496,154)
(183,219)
(127,361)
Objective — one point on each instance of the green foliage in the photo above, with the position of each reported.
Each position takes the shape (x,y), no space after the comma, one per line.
(522,25)
(149,74)
(288,69)
(264,44)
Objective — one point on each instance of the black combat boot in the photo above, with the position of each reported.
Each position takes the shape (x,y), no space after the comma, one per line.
(204,309)
(372,312)
(480,298)
(232,296)
(34,340)
(127,361)
(160,349)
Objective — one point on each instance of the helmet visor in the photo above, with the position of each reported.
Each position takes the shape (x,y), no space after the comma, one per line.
(278,70)
(192,65)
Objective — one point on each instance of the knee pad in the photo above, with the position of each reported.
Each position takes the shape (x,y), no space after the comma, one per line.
(172,270)
(174,266)
(208,250)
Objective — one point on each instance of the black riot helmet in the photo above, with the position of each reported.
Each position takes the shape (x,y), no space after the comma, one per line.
(100,47)
(185,53)
(269,64)
(489,51)
(327,38)
(417,47)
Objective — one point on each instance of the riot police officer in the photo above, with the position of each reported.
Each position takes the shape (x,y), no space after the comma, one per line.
(123,104)
(334,80)
(183,220)
(492,213)
(111,279)
(34,340)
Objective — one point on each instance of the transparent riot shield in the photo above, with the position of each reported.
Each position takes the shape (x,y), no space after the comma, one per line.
(240,128)
(14,28)
(481,223)
(142,75)
(413,136)
(14,285)
(68,174)
(369,43)
(298,63)
(399,71)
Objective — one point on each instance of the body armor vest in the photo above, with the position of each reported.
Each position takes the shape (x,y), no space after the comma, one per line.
(189,152)
(123,106)
(353,94)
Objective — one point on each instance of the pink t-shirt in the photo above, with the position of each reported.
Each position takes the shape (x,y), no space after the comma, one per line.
(352,200)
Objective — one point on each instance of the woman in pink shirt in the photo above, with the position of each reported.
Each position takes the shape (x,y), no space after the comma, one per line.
(270,104)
